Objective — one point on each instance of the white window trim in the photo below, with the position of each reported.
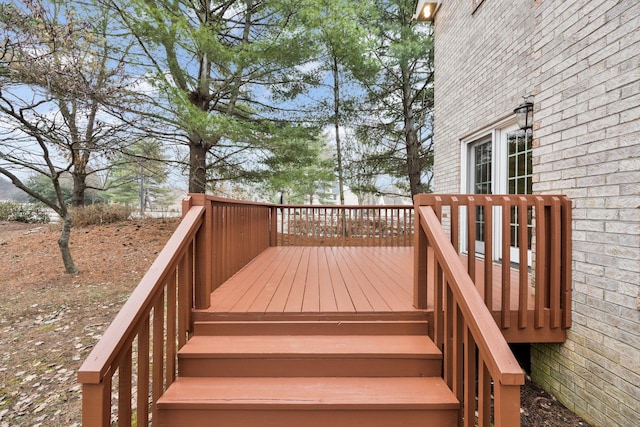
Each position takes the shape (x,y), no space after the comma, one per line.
(497,131)
(499,170)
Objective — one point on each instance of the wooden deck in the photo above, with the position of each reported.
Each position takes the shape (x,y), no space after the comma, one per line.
(287,280)
(322,282)
(221,297)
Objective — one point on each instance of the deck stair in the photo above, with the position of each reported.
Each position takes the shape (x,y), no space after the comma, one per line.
(292,372)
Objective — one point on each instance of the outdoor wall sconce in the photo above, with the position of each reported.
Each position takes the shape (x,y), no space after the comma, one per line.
(426,10)
(524,114)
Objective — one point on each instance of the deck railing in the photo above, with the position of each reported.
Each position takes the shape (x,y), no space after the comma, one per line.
(234,232)
(529,238)
(215,239)
(308,225)
(472,344)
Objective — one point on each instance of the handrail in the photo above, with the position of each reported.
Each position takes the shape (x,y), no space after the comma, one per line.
(215,239)
(467,326)
(165,292)
(344,225)
(526,231)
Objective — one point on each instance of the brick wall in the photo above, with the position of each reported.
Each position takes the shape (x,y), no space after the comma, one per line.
(475,85)
(581,60)
(588,130)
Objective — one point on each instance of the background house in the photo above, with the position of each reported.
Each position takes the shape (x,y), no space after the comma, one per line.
(580,63)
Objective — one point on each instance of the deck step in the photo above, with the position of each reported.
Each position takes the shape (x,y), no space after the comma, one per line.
(313,327)
(315,355)
(309,402)
(212,316)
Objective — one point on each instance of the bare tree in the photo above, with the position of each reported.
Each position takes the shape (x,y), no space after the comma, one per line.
(60,78)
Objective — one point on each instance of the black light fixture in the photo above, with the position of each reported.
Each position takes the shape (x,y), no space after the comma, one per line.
(524,114)
(426,10)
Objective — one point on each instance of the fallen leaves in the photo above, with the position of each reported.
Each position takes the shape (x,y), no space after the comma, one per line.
(50,321)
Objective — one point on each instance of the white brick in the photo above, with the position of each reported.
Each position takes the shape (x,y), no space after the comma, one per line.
(580,60)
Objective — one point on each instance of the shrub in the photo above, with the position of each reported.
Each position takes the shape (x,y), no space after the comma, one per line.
(23,212)
(100,214)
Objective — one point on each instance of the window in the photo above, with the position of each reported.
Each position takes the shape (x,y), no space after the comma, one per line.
(519,177)
(498,161)
(482,178)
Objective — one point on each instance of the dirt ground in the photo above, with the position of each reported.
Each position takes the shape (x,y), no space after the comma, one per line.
(49,321)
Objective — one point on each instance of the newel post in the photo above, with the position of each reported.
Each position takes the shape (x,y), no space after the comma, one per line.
(203,253)
(420,251)
(506,410)
(96,404)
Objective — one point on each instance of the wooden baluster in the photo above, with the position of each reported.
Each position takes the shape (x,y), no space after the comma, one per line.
(438,300)
(541,266)
(523,263)
(471,238)
(384,227)
(393,230)
(505,318)
(469,409)
(455,223)
(448,334)
(484,394)
(157,380)
(405,231)
(341,224)
(314,228)
(143,374)
(325,231)
(185,271)
(566,256)
(124,390)
(273,216)
(555,259)
(457,353)
(289,226)
(377,226)
(488,252)
(350,232)
(171,330)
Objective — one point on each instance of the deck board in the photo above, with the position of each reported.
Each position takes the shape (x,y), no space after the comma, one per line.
(338,282)
(228,296)
(288,279)
(319,280)
(279,300)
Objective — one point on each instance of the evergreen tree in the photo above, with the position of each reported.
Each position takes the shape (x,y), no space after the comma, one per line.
(342,60)
(400,98)
(138,175)
(299,167)
(213,63)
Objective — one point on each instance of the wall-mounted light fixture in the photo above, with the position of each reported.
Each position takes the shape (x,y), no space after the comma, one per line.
(524,113)
(426,10)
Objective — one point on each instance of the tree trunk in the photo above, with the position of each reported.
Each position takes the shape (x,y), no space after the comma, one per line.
(414,163)
(63,243)
(197,167)
(336,123)
(79,187)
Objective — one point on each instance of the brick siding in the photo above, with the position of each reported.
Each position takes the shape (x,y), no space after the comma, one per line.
(581,61)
